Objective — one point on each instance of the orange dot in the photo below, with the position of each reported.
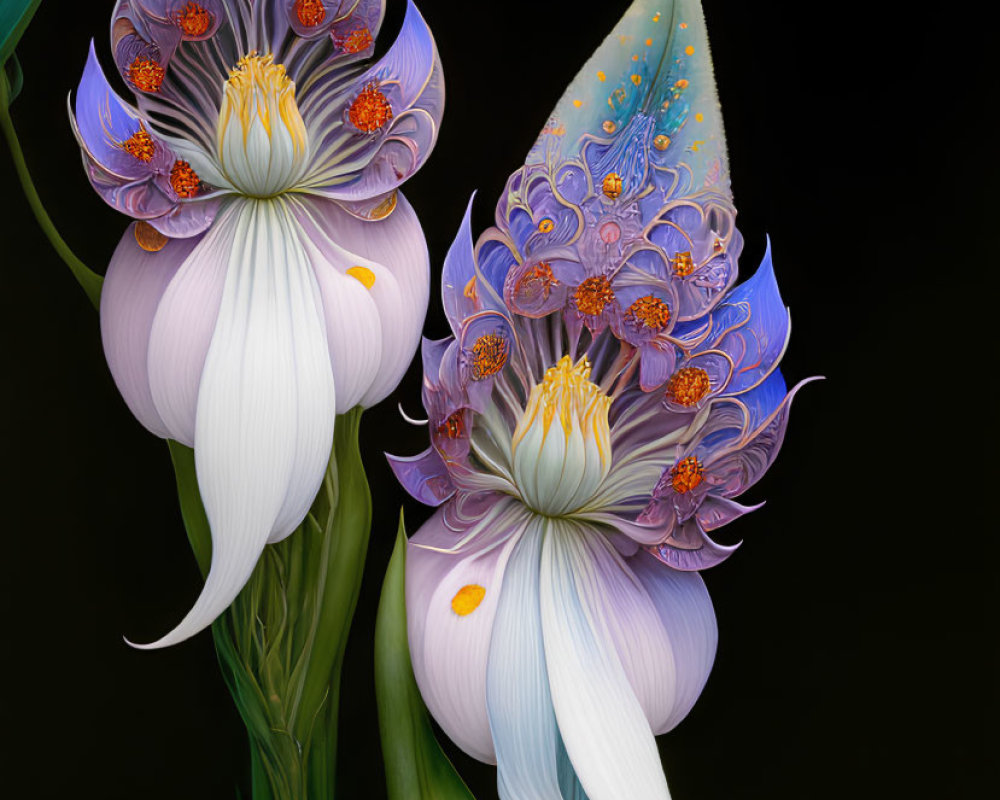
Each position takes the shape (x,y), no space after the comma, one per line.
(699,117)
(683,25)
(370,109)
(577,103)
(649,43)
(601,76)
(467,599)
(689,50)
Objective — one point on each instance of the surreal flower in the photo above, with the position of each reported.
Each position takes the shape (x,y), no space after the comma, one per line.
(604,397)
(274,275)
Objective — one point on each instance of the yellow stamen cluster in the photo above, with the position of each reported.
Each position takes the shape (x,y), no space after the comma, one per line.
(688,385)
(686,474)
(649,311)
(356,41)
(256,89)
(612,185)
(537,281)
(567,392)
(593,295)
(489,355)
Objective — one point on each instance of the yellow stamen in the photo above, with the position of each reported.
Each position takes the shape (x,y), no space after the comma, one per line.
(145,74)
(649,311)
(370,110)
(364,275)
(184,179)
(489,355)
(686,474)
(140,145)
(310,12)
(258,88)
(612,185)
(593,295)
(194,20)
(688,385)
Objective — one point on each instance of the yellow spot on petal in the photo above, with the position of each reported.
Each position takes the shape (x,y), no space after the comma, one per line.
(656,17)
(467,599)
(683,25)
(364,275)
(577,103)
(601,76)
(695,143)
(637,79)
(649,43)
(635,58)
(699,117)
(470,290)
(689,50)
(148,238)
(623,39)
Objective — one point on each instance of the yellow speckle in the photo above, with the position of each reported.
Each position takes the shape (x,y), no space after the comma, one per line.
(601,76)
(637,79)
(467,599)
(649,43)
(683,25)
(609,126)
(656,17)
(363,275)
(577,103)
(695,143)
(623,40)
(689,49)
(699,117)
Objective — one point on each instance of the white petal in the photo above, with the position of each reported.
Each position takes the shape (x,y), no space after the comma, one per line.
(184,324)
(602,723)
(449,651)
(264,425)
(522,721)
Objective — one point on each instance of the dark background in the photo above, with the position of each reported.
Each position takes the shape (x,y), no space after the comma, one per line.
(855,658)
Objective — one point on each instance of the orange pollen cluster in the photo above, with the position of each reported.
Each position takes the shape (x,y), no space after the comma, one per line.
(538,279)
(310,12)
(650,311)
(686,474)
(184,179)
(370,110)
(452,427)
(683,264)
(359,40)
(140,145)
(688,385)
(612,185)
(489,355)
(145,74)
(194,20)
(593,295)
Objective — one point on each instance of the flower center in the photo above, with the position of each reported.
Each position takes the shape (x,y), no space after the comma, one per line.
(612,185)
(146,75)
(686,474)
(184,179)
(310,12)
(593,295)
(140,145)
(370,110)
(688,385)
(546,225)
(262,139)
(683,264)
(537,281)
(194,20)
(489,355)
(558,468)
(649,311)
(356,41)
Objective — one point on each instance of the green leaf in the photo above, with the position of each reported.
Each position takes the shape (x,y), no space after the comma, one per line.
(14,18)
(14,80)
(416,767)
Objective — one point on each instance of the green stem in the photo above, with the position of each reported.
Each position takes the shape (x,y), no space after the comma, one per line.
(89,281)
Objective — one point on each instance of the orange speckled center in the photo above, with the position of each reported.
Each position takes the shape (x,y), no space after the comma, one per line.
(593,295)
(686,474)
(538,280)
(145,74)
(452,428)
(688,385)
(358,40)
(612,185)
(140,145)
(683,264)
(489,355)
(194,20)
(310,12)
(184,179)
(649,311)
(370,109)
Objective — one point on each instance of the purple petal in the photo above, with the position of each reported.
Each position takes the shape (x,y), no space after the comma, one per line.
(689,549)
(424,476)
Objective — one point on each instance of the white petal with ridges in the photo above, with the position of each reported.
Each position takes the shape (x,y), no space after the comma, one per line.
(265,413)
(602,723)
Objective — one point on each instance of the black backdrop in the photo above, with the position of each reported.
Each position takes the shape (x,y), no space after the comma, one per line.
(854,648)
